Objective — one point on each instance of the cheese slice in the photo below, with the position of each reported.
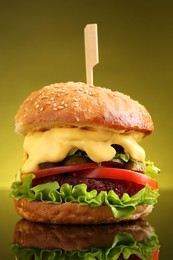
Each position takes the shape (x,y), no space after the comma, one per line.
(55,144)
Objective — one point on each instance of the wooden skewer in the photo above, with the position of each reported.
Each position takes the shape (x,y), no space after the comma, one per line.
(91,50)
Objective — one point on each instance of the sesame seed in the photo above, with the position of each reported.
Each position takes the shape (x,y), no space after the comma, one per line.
(37,106)
(61,107)
(76,104)
(66,105)
(55,108)
(77,119)
(61,90)
(52,98)
(54,104)
(62,103)
(41,109)
(48,102)
(43,96)
(48,87)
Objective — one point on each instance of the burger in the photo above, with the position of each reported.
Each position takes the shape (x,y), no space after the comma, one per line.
(82,160)
(132,240)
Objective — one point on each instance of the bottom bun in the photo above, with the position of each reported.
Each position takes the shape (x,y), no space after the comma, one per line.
(72,213)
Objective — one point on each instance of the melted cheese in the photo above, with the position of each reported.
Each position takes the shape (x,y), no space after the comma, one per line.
(55,144)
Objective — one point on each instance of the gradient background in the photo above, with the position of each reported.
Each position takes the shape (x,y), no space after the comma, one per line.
(42,42)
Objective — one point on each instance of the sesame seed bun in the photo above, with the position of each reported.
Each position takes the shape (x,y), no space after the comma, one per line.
(79,104)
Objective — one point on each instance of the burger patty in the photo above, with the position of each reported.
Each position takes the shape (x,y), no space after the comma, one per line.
(119,186)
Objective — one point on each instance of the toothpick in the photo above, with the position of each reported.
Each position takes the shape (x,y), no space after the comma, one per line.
(91,50)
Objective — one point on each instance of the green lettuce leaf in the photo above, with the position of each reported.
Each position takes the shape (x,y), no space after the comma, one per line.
(52,192)
(123,244)
(123,156)
(151,170)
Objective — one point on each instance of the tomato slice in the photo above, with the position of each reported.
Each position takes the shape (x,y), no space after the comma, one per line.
(63,169)
(120,174)
(155,255)
(92,170)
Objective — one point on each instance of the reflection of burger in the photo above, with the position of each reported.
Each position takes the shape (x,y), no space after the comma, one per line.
(131,240)
(83,163)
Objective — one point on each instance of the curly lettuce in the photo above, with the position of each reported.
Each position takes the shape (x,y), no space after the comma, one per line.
(151,170)
(52,192)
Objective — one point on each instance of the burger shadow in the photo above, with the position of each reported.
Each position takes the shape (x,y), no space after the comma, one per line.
(101,241)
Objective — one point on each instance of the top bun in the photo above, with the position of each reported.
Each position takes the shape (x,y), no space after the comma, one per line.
(78,104)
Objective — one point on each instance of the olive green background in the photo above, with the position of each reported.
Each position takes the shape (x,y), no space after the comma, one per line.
(42,42)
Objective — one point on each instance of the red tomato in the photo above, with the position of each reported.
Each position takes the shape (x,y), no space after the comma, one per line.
(63,169)
(155,255)
(120,174)
(92,170)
